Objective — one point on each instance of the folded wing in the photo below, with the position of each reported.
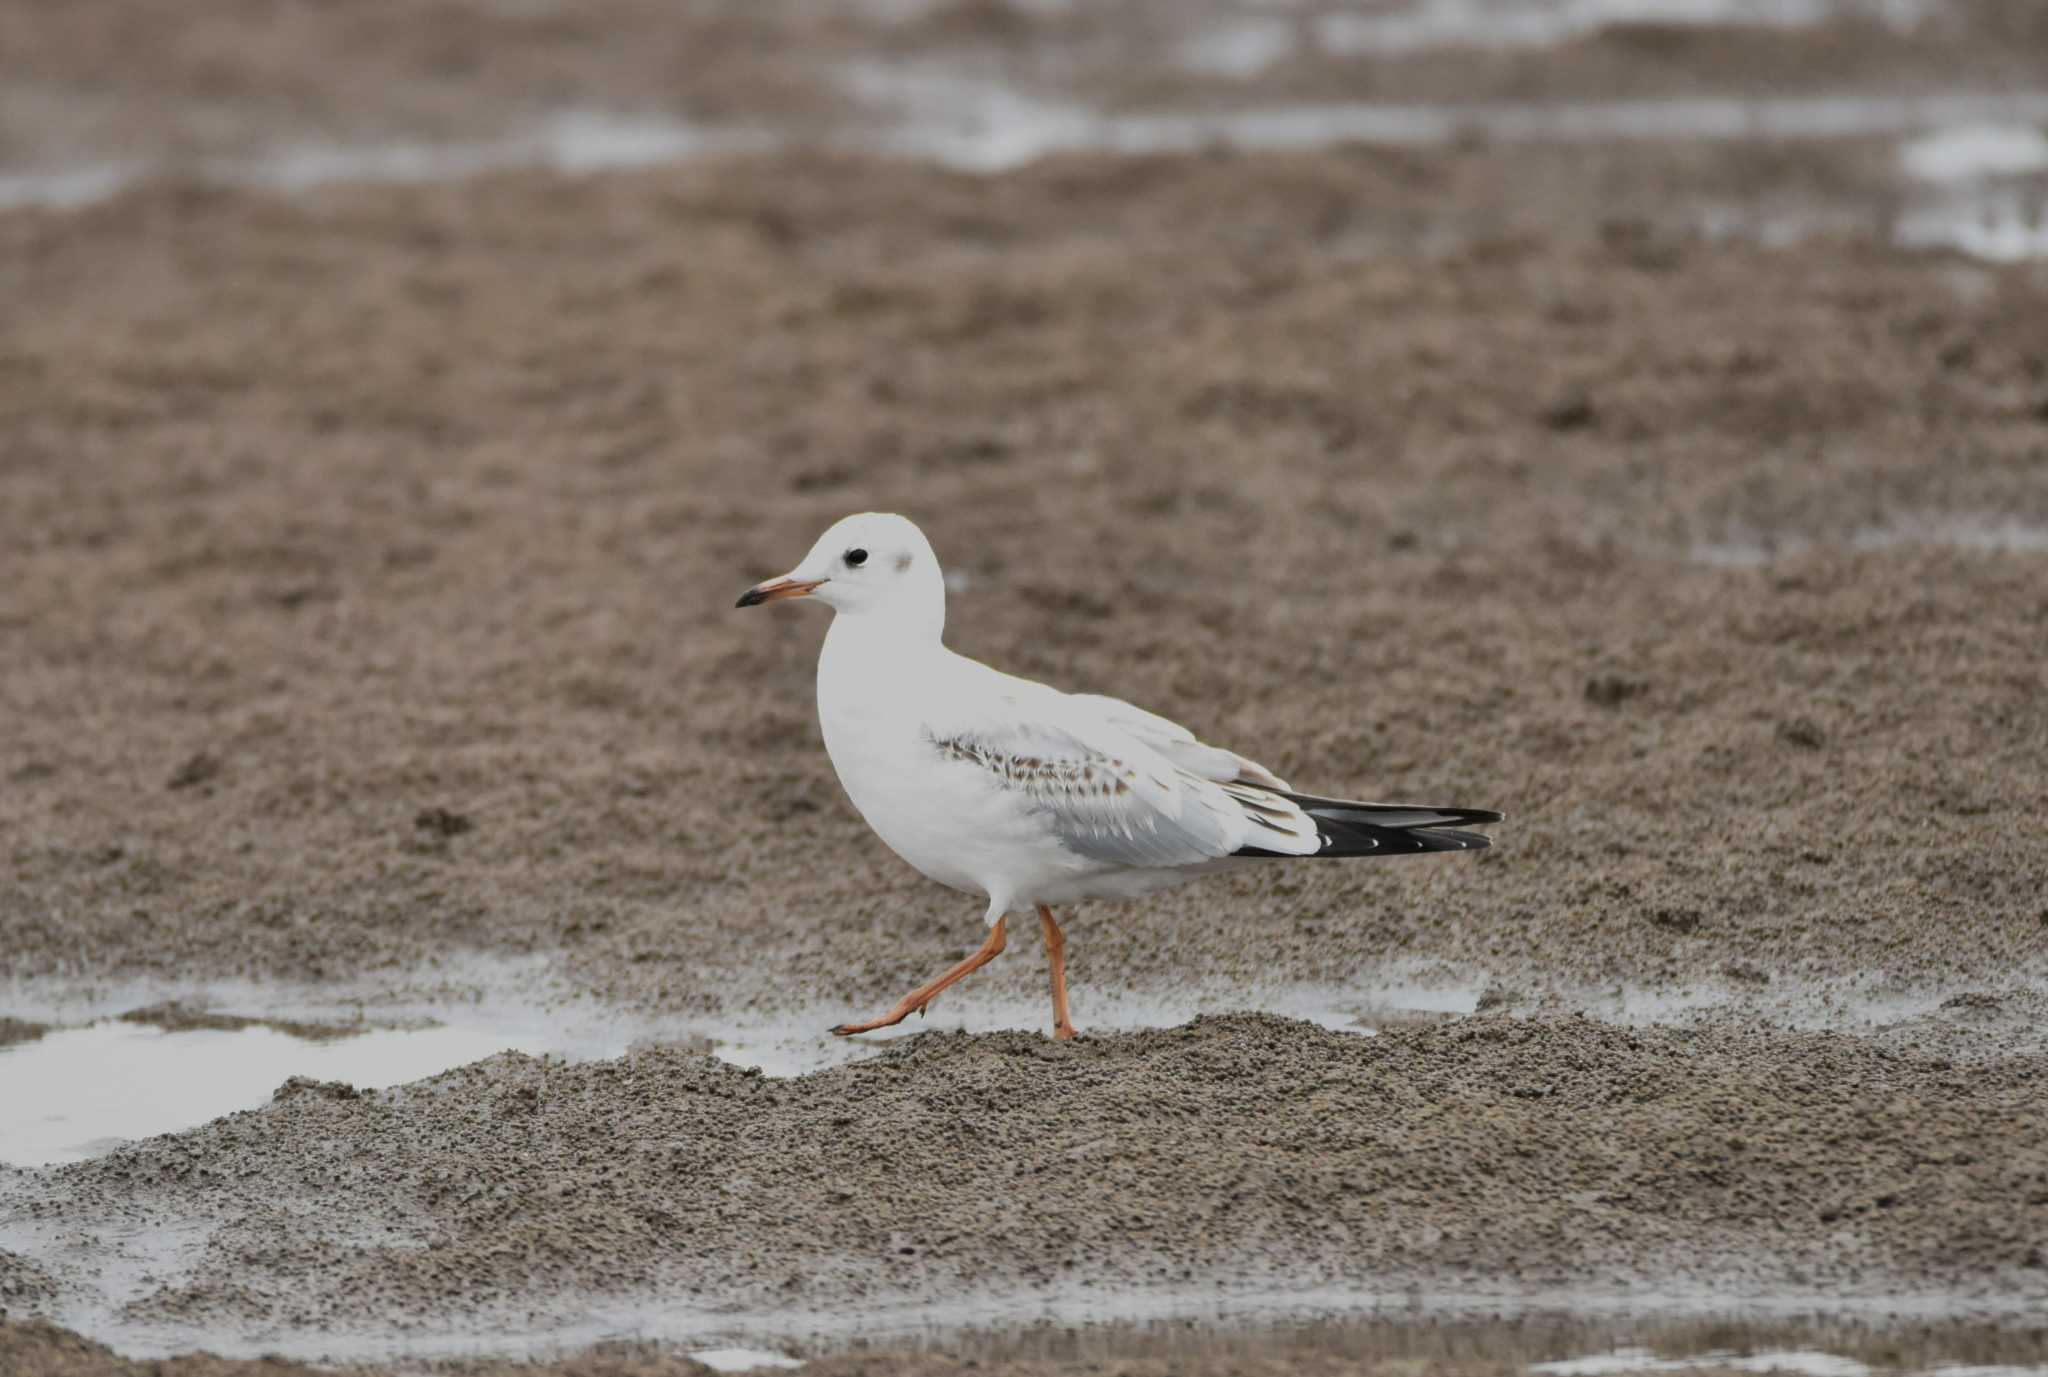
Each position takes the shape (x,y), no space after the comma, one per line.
(1127,787)
(1119,796)
(1176,742)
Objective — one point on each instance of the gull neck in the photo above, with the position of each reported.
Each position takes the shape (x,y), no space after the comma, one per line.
(916,617)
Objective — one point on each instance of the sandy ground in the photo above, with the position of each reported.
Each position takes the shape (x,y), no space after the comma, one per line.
(1488,1152)
(372,563)
(366,570)
(334,521)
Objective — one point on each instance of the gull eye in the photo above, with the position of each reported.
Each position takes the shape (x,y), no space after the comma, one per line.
(856,558)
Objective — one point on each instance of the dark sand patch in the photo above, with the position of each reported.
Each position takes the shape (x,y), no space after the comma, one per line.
(13,1030)
(24,1286)
(174,1016)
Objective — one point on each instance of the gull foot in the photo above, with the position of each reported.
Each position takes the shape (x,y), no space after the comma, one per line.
(888,1020)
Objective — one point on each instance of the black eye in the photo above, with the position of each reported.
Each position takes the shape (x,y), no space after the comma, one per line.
(856,558)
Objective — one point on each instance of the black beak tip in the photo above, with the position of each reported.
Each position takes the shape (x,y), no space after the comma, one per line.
(751,598)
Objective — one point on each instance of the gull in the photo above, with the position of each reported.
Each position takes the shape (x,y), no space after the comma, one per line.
(1027,796)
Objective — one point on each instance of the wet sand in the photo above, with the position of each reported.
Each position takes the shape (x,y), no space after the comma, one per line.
(1241,1153)
(1428,1348)
(227,79)
(365,596)
(371,587)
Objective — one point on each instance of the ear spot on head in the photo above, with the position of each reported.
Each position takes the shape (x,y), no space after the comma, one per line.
(902,561)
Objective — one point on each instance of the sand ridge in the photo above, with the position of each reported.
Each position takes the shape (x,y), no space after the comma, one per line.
(1493,1152)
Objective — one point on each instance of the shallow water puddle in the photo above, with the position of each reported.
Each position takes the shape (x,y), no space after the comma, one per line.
(741,1359)
(569,141)
(1805,1362)
(1971,152)
(1246,47)
(1978,533)
(976,120)
(1963,146)
(1587,1339)
(1441,1332)
(77,1092)
(1800,1362)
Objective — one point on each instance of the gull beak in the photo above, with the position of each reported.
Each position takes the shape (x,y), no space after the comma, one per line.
(776,589)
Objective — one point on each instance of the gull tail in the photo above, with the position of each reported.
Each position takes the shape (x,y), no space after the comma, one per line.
(1349,828)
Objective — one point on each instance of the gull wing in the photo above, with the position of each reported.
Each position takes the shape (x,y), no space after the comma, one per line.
(1119,795)
(1344,827)
(1177,743)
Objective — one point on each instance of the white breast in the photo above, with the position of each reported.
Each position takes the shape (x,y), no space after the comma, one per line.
(936,813)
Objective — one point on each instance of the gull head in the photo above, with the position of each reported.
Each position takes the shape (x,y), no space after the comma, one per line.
(873,564)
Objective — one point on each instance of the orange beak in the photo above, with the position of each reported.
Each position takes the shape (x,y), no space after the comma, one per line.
(775,590)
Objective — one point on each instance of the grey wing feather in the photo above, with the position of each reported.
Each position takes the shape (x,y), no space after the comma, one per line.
(1177,743)
(1117,802)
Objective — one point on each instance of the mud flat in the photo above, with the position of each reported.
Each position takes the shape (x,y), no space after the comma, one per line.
(366,619)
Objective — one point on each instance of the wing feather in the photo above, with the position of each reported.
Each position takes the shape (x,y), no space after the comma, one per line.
(1151,797)
(1177,743)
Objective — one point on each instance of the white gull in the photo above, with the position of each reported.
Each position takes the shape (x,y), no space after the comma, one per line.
(1027,796)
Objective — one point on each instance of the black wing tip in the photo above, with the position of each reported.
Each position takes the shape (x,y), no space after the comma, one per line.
(1379,841)
(1450,839)
(1389,841)
(1345,828)
(1457,817)
(1352,811)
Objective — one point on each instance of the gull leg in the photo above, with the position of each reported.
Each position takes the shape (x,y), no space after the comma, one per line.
(915,1001)
(1056,957)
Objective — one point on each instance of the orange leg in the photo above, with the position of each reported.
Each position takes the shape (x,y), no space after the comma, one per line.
(915,1001)
(1056,957)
